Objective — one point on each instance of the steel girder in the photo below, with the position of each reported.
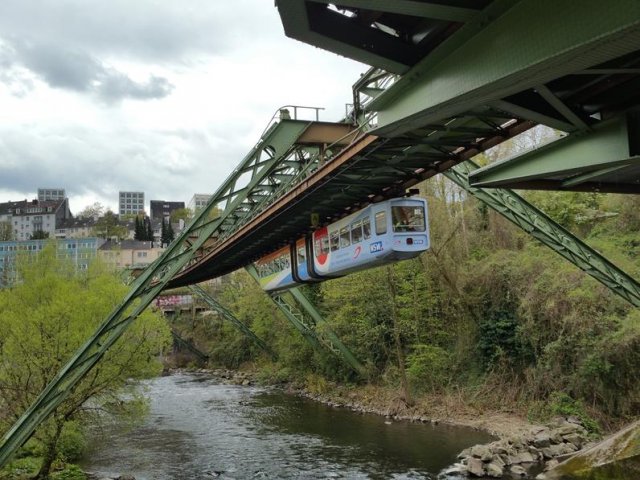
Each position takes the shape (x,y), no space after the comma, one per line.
(303,315)
(535,222)
(227,315)
(265,158)
(530,44)
(248,200)
(601,159)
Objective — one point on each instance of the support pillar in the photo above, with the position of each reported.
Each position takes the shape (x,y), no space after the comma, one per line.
(306,319)
(227,315)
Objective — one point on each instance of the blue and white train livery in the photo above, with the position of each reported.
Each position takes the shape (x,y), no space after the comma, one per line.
(381,233)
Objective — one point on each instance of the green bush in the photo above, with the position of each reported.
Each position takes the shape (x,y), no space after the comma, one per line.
(72,443)
(563,404)
(428,366)
(22,468)
(499,339)
(70,472)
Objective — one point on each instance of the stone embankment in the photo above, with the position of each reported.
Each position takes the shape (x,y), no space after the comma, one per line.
(513,457)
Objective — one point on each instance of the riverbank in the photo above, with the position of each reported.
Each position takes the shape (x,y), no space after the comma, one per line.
(378,400)
(521,448)
(201,423)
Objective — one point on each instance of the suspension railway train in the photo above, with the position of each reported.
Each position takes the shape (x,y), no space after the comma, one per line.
(385,232)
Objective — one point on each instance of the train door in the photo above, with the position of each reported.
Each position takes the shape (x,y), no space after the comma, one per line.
(321,251)
(379,228)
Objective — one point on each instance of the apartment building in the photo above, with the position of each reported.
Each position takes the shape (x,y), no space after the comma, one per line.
(78,251)
(161,209)
(198,202)
(128,253)
(130,203)
(51,194)
(28,217)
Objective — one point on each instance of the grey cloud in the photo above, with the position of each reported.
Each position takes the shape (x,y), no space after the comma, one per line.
(114,86)
(74,69)
(141,29)
(167,165)
(62,68)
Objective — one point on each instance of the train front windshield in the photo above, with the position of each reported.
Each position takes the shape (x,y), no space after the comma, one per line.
(408,218)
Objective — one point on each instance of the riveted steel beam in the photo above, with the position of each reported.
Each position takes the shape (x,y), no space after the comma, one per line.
(227,315)
(182,342)
(277,141)
(542,40)
(306,318)
(594,160)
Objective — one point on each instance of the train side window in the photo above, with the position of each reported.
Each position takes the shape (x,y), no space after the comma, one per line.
(344,237)
(408,218)
(381,223)
(325,244)
(317,247)
(356,232)
(366,228)
(301,256)
(334,240)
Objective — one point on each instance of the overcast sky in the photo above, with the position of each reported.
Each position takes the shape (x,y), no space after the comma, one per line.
(160,96)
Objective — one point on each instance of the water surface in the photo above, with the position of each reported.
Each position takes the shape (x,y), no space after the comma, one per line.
(201,429)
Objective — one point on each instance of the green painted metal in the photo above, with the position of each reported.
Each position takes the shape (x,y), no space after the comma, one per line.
(227,315)
(539,225)
(296,25)
(310,323)
(604,147)
(273,148)
(530,44)
(413,8)
(522,112)
(293,315)
(331,338)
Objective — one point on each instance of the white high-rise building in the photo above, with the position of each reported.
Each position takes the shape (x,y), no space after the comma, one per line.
(130,203)
(198,202)
(51,194)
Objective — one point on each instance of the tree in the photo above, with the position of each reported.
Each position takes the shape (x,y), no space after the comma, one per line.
(92,211)
(43,320)
(167,233)
(181,214)
(148,229)
(107,227)
(170,233)
(6,232)
(139,233)
(39,235)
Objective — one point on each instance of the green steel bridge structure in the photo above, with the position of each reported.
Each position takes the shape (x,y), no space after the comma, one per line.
(448,79)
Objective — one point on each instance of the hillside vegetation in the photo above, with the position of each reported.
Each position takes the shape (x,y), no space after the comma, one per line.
(488,317)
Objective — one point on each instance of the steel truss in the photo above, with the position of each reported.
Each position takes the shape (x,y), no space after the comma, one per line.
(227,315)
(271,163)
(303,315)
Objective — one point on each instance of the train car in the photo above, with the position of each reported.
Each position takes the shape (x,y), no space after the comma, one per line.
(381,233)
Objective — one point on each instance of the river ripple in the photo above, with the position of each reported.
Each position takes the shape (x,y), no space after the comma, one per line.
(201,429)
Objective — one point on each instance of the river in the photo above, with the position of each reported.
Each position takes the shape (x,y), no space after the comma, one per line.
(198,428)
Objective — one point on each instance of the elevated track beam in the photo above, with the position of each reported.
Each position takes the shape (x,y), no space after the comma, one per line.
(273,147)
